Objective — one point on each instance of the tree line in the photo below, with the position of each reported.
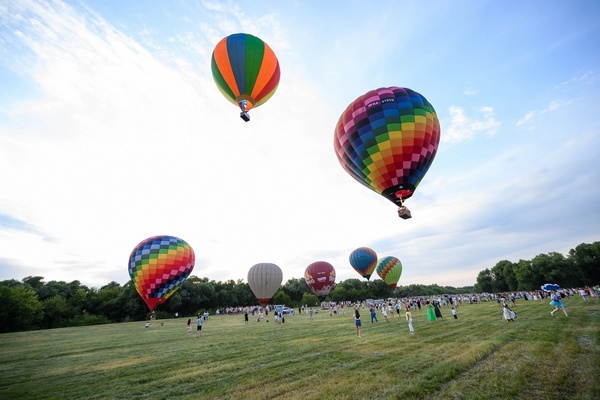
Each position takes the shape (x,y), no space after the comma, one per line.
(34,304)
(579,268)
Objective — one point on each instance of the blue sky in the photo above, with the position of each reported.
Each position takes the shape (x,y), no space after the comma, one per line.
(112,130)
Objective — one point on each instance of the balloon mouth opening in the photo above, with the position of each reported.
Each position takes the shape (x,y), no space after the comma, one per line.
(245,102)
(152,302)
(397,194)
(264,302)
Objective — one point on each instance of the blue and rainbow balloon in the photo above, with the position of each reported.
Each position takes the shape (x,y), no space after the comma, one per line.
(364,261)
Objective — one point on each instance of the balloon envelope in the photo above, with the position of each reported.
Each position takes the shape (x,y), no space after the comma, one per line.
(264,279)
(387,139)
(364,261)
(320,277)
(548,287)
(389,269)
(245,70)
(158,266)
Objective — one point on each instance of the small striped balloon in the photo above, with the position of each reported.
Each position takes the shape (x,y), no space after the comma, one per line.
(389,269)
(245,70)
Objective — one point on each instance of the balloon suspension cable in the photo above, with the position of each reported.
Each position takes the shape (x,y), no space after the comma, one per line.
(403,212)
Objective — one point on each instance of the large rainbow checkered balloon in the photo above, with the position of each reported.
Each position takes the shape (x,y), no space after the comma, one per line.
(387,140)
(158,266)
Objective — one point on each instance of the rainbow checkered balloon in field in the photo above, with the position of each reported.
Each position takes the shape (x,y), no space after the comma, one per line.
(387,139)
(389,269)
(158,266)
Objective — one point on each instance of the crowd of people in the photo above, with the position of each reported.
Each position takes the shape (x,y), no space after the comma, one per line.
(404,307)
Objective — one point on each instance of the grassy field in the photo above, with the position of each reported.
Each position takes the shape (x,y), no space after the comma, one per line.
(478,356)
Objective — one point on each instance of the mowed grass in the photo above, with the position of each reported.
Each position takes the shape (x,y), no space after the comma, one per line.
(478,356)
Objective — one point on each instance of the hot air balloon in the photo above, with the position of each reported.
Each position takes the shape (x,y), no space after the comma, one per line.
(245,70)
(389,269)
(320,277)
(387,139)
(158,266)
(364,261)
(264,279)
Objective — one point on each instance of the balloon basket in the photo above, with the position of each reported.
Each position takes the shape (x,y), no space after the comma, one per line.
(404,212)
(245,116)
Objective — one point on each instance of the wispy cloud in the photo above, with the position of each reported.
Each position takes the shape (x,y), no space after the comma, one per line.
(8,222)
(464,128)
(580,77)
(531,116)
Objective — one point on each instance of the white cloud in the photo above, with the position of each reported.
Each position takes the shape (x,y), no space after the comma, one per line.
(531,116)
(464,128)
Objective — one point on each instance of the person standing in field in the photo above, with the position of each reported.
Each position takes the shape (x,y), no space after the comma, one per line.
(384,313)
(558,304)
(430,313)
(436,308)
(357,322)
(245,316)
(189,327)
(454,313)
(411,330)
(199,325)
(373,314)
(508,314)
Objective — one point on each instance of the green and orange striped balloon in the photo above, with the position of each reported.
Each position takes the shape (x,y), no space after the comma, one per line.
(389,269)
(245,70)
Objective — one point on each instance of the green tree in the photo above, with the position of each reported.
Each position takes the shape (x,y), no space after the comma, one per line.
(527,275)
(244,293)
(21,309)
(555,268)
(295,289)
(586,259)
(108,303)
(499,283)
(310,300)
(378,289)
(34,282)
(281,297)
(339,293)
(57,312)
(485,281)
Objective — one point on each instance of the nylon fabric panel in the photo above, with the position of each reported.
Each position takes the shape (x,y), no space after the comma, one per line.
(255,51)
(265,82)
(224,77)
(236,50)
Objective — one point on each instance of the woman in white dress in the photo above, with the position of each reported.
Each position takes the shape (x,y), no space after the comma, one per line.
(508,314)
